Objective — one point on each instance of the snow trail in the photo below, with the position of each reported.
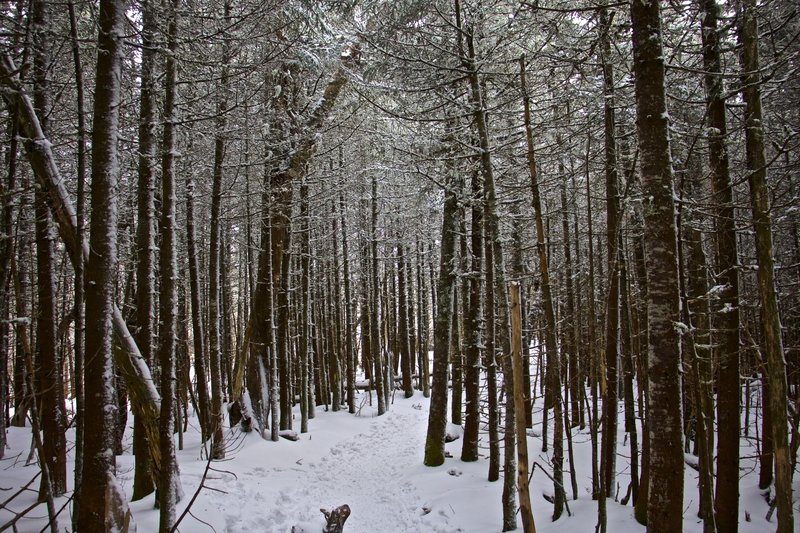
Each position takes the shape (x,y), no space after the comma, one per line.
(371,471)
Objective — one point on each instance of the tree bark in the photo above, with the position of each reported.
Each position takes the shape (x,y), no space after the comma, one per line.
(305,308)
(381,386)
(610,379)
(528,523)
(406,361)
(169,488)
(762,225)
(348,313)
(472,326)
(198,332)
(553,359)
(145,330)
(665,502)
(102,507)
(726,320)
(437,418)
(49,386)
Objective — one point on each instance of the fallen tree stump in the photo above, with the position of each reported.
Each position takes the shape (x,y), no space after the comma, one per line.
(336,519)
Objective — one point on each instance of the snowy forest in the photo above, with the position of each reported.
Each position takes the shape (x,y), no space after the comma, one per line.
(447,265)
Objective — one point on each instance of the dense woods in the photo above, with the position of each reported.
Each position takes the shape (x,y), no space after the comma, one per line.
(232,210)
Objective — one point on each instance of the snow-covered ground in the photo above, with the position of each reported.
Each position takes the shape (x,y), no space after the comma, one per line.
(373,464)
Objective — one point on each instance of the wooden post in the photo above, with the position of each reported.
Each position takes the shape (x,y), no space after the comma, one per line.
(528,524)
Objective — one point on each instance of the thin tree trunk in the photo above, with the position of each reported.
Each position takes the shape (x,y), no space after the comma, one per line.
(553,359)
(145,328)
(23,352)
(6,285)
(571,390)
(592,335)
(695,314)
(339,351)
(282,339)
(528,523)
(214,350)
(6,249)
(49,383)
(610,379)
(198,333)
(305,313)
(569,349)
(762,225)
(375,314)
(640,511)
(422,327)
(228,321)
(472,326)
(406,361)
(490,363)
(350,352)
(169,489)
(628,370)
(437,417)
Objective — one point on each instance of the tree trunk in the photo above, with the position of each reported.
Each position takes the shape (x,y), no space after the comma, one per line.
(640,511)
(145,329)
(610,380)
(214,350)
(528,524)
(422,327)
(437,418)
(23,353)
(456,349)
(102,507)
(490,363)
(406,361)
(198,332)
(592,336)
(49,386)
(350,352)
(762,225)
(695,314)
(665,503)
(6,286)
(553,359)
(726,322)
(375,314)
(305,309)
(472,326)
(169,490)
(278,196)
(282,338)
(339,351)
(569,349)
(628,370)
